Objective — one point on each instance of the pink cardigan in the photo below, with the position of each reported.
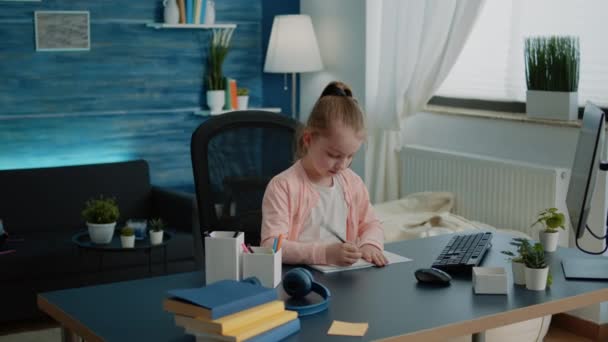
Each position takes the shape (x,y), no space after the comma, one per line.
(288,200)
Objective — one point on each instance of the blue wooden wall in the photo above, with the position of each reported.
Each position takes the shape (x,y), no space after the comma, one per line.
(130,97)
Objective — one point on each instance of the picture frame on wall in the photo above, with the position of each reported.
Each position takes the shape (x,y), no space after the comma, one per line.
(62,30)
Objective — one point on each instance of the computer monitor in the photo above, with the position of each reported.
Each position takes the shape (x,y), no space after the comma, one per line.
(585,168)
(583,176)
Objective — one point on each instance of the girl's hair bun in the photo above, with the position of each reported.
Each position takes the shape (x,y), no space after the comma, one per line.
(337,89)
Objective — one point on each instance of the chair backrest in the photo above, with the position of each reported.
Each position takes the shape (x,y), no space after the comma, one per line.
(234,156)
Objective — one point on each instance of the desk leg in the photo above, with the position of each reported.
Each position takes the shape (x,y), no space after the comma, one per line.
(68,335)
(479,337)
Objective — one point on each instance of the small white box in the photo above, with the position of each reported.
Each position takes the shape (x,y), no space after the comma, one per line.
(223,256)
(263,264)
(489,280)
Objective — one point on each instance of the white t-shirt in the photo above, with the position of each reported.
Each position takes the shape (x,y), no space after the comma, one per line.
(329,212)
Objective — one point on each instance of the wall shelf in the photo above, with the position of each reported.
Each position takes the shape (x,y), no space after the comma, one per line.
(188,26)
(203,112)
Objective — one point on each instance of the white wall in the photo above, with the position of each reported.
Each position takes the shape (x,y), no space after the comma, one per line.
(340,30)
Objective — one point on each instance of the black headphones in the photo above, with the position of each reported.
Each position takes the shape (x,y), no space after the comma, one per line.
(298,283)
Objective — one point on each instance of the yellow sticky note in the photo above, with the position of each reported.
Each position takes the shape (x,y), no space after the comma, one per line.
(347,329)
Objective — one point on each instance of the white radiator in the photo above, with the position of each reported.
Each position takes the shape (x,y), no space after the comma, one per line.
(502,193)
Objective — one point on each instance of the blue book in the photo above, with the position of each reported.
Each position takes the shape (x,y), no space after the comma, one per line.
(220,299)
(189,11)
(203,10)
(278,333)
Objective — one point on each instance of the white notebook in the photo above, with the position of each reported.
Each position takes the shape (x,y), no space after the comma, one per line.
(392,259)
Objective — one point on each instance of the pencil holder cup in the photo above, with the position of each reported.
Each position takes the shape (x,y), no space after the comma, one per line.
(263,264)
(223,256)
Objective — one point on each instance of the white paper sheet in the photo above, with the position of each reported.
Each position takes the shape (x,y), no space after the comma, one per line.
(392,259)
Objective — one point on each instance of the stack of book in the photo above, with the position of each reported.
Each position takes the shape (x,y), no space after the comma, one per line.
(230,310)
(192,11)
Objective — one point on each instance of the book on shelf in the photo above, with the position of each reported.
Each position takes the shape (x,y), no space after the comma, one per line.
(181,4)
(273,328)
(217,300)
(233,95)
(197,11)
(189,11)
(229,323)
(230,94)
(203,11)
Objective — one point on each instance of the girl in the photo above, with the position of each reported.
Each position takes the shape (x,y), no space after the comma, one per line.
(319,204)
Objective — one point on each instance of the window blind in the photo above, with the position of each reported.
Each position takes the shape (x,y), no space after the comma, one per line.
(491,65)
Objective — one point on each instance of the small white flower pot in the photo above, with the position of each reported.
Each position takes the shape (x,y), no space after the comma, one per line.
(156,238)
(549,240)
(519,275)
(127,241)
(243,102)
(552,105)
(101,233)
(536,278)
(216,100)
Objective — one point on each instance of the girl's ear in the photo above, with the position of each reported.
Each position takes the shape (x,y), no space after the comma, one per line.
(306,138)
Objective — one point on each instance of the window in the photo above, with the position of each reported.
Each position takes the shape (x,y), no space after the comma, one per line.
(491,65)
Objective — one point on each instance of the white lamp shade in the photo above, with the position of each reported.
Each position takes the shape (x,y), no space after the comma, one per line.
(293,46)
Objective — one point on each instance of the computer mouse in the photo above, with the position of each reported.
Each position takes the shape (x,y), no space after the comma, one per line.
(432,276)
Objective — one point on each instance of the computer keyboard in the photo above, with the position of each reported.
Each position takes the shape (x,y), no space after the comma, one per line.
(463,252)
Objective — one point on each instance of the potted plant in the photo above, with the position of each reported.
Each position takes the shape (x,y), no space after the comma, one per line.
(100,215)
(243,98)
(552,74)
(517,260)
(551,219)
(127,237)
(537,270)
(157,227)
(216,84)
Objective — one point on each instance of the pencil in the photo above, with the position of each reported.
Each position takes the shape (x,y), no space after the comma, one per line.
(333,232)
(279,243)
(274,245)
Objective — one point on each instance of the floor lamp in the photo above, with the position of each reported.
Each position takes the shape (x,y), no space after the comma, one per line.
(292,49)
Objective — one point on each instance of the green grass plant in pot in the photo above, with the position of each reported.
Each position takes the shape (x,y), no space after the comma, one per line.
(157,228)
(517,260)
(127,237)
(242,96)
(552,75)
(214,78)
(552,220)
(100,215)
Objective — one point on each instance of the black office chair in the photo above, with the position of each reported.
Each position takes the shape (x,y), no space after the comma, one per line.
(234,156)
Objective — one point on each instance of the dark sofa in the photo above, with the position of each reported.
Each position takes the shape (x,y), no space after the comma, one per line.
(41,211)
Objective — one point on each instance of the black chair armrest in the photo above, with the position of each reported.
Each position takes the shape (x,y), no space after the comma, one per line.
(174,207)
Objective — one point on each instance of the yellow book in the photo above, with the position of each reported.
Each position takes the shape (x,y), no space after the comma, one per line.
(226,324)
(197,12)
(186,309)
(250,330)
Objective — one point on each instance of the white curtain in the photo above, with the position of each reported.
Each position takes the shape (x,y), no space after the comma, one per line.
(416,46)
